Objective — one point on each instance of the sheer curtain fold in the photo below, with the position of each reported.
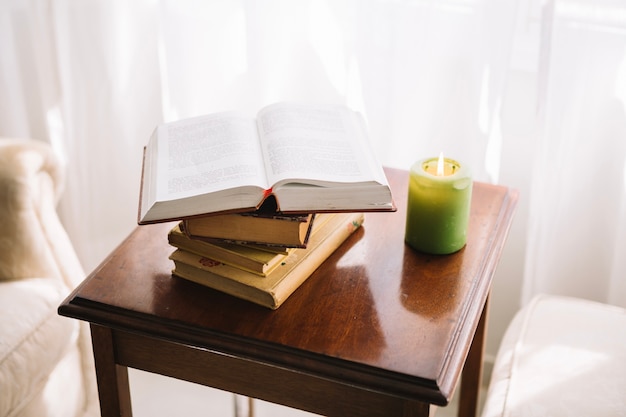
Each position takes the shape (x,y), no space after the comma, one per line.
(96,76)
(109,78)
(435,77)
(84,76)
(576,244)
(28,77)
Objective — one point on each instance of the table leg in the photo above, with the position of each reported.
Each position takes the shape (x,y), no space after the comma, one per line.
(113,386)
(471,379)
(244,406)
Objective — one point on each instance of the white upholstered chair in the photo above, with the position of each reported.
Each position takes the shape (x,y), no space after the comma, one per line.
(561,356)
(46,363)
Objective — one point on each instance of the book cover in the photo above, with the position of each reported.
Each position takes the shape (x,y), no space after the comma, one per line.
(271,291)
(247,257)
(260,228)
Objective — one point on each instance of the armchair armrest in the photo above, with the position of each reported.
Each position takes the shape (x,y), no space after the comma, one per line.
(33,242)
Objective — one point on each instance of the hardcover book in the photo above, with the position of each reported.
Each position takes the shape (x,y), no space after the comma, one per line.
(250,258)
(272,290)
(309,158)
(256,228)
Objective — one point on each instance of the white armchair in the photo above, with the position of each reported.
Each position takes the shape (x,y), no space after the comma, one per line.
(46,362)
(561,356)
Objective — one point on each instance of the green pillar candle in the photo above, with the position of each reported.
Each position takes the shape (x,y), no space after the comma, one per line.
(440,191)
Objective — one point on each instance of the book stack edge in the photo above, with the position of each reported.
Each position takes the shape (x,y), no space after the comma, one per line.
(263,274)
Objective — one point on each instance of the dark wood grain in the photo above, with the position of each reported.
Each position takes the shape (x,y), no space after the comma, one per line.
(112,378)
(471,378)
(376,315)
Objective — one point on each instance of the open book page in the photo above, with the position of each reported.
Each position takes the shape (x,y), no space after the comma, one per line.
(208,153)
(315,145)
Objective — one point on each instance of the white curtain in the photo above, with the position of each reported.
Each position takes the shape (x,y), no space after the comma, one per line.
(530,95)
(577,224)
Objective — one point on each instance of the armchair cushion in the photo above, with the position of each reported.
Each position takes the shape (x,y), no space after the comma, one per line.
(46,362)
(561,356)
(34,338)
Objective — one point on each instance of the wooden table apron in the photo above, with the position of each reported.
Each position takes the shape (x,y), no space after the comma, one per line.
(378,329)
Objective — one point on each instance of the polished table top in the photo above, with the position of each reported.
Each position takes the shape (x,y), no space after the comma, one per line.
(376,314)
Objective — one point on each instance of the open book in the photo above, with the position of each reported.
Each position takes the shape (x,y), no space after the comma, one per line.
(309,158)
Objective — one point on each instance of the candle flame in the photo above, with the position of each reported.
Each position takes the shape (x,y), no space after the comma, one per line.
(440,171)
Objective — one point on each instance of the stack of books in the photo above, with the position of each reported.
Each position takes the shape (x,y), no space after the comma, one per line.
(267,269)
(217,173)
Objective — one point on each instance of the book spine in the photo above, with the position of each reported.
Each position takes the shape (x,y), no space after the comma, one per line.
(273,290)
(316,257)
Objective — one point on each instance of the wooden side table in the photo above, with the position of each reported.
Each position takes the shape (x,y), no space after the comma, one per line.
(377,330)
